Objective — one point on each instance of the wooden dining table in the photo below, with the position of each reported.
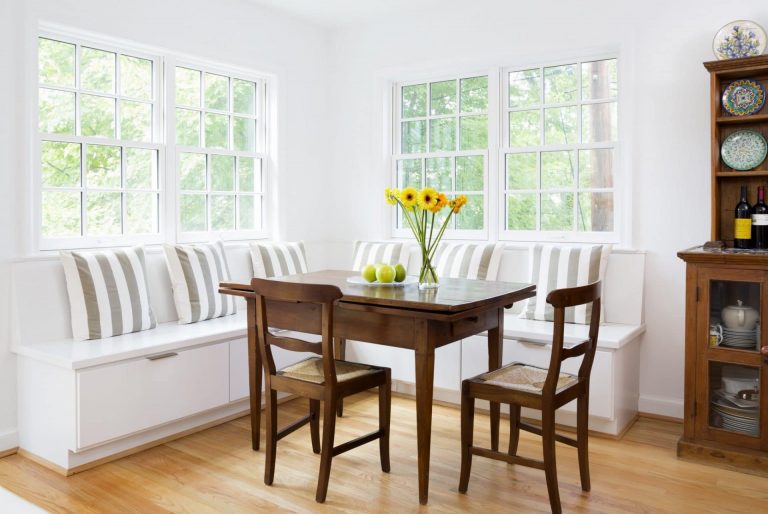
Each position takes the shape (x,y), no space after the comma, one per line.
(401,317)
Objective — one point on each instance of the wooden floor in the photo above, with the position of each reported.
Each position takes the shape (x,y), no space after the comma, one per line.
(216,471)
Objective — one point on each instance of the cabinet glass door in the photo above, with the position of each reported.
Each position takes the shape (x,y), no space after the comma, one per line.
(734,315)
(734,398)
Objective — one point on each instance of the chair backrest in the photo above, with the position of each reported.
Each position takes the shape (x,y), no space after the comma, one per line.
(560,299)
(271,295)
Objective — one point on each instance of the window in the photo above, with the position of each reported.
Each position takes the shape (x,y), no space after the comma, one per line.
(442,142)
(560,125)
(99,153)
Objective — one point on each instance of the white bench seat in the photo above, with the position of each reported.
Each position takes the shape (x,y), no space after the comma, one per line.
(611,336)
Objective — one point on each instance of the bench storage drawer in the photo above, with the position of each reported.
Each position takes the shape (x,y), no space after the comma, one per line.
(119,399)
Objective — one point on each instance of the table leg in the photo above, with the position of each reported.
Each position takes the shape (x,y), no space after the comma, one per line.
(425,371)
(495,339)
(254,375)
(340,353)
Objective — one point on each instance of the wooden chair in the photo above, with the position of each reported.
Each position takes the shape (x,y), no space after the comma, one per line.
(521,385)
(317,378)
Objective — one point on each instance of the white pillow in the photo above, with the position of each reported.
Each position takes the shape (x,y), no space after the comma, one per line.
(555,267)
(108,292)
(196,271)
(373,252)
(278,259)
(468,260)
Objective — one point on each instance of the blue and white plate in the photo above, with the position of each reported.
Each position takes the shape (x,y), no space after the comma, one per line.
(744,150)
(738,39)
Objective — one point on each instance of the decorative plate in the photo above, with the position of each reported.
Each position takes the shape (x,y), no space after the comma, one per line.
(360,281)
(741,38)
(744,150)
(744,97)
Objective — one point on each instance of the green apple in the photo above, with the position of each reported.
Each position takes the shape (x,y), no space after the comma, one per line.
(369,273)
(399,272)
(385,274)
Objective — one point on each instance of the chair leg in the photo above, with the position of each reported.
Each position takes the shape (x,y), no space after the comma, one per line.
(340,353)
(582,438)
(467,428)
(271,415)
(514,428)
(326,453)
(550,463)
(385,408)
(314,424)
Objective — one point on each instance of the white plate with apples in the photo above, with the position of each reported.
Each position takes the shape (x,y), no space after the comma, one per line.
(383,275)
(362,282)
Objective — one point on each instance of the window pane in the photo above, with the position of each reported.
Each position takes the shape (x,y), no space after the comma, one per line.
(192,213)
(249,174)
(474,132)
(414,101)
(599,79)
(414,136)
(104,214)
(135,121)
(524,88)
(141,213)
(521,171)
(140,168)
(440,173)
(56,111)
(471,215)
(97,116)
(222,173)
(97,70)
(521,212)
(558,170)
(61,214)
(192,171)
(595,212)
(187,87)
(216,92)
(60,163)
(102,167)
(442,135)
(244,101)
(474,94)
(557,211)
(246,213)
(560,84)
(560,126)
(216,131)
(222,212)
(244,133)
(469,173)
(596,168)
(443,97)
(56,63)
(524,128)
(187,127)
(136,77)
(599,123)
(409,173)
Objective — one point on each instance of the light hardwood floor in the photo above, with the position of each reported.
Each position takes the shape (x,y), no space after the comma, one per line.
(216,471)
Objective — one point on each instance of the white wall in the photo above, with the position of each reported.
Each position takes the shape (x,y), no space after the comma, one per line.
(664,110)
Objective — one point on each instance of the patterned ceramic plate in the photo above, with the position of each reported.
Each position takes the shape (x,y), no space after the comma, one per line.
(743,97)
(739,39)
(744,150)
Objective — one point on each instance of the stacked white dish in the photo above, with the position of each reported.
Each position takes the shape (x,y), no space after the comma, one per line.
(732,413)
(741,338)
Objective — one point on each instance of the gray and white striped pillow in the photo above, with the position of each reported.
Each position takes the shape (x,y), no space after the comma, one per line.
(372,252)
(278,259)
(468,260)
(108,293)
(555,267)
(196,271)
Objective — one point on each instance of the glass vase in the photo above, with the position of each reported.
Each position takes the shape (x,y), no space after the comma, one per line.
(427,274)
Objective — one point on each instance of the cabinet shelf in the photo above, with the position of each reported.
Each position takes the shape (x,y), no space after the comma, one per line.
(730,120)
(742,174)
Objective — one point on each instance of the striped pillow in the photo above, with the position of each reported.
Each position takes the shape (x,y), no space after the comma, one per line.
(278,259)
(371,252)
(555,267)
(196,271)
(468,260)
(108,293)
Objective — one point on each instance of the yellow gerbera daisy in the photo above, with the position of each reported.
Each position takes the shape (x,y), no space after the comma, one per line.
(442,201)
(391,194)
(428,198)
(408,197)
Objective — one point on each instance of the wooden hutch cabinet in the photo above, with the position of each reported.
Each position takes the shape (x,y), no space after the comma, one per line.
(726,403)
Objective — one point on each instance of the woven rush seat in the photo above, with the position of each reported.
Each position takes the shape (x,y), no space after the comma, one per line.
(525,378)
(311,370)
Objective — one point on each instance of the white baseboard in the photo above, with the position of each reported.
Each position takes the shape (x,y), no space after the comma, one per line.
(9,440)
(661,406)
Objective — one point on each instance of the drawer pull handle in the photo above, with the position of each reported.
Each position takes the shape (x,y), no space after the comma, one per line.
(162,356)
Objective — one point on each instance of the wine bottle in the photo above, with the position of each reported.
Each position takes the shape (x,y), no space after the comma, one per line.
(760,221)
(742,223)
